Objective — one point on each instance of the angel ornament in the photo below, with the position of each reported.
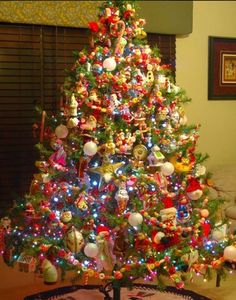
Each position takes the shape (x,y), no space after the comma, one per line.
(105,257)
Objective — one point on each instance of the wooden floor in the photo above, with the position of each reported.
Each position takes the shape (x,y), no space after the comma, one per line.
(15,285)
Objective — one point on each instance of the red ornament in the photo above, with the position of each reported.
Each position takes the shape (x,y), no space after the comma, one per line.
(52,216)
(61,253)
(206,228)
(118,275)
(2,239)
(193,185)
(102,228)
(172,270)
(94,27)
(168,202)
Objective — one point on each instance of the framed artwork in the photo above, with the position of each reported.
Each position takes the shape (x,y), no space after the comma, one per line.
(221,68)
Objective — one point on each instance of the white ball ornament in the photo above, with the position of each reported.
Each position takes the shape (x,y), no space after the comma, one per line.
(73,122)
(90,148)
(167,169)
(61,131)
(91,250)
(230,253)
(135,219)
(109,64)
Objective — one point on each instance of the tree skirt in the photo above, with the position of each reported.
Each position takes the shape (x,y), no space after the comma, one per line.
(139,292)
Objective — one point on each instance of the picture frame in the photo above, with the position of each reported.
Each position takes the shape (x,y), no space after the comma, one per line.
(221,68)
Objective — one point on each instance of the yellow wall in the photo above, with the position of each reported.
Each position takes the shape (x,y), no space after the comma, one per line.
(218,118)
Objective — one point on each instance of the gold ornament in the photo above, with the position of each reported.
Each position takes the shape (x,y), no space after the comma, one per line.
(107,148)
(150,76)
(183,166)
(106,170)
(74,240)
(140,152)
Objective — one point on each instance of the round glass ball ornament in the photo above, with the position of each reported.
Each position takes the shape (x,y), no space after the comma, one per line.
(73,122)
(90,148)
(230,253)
(91,250)
(109,64)
(167,169)
(135,219)
(61,131)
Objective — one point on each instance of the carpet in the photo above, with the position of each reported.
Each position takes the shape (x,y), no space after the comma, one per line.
(139,292)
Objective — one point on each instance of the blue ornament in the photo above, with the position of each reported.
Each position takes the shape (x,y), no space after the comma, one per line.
(183,213)
(97,69)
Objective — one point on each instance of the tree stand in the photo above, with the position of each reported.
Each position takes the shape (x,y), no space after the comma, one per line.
(111,286)
(116,290)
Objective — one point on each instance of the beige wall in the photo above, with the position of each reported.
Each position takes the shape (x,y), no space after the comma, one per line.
(218,118)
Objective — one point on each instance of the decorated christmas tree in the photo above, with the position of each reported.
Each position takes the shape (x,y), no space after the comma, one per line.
(121,192)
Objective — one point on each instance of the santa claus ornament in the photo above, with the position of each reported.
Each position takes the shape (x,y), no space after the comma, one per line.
(194,189)
(169,212)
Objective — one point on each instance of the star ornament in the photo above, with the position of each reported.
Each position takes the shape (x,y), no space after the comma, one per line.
(106,170)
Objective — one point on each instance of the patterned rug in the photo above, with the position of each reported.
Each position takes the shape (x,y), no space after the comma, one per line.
(139,292)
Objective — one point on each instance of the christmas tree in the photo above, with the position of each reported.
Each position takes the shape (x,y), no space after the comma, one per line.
(121,192)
